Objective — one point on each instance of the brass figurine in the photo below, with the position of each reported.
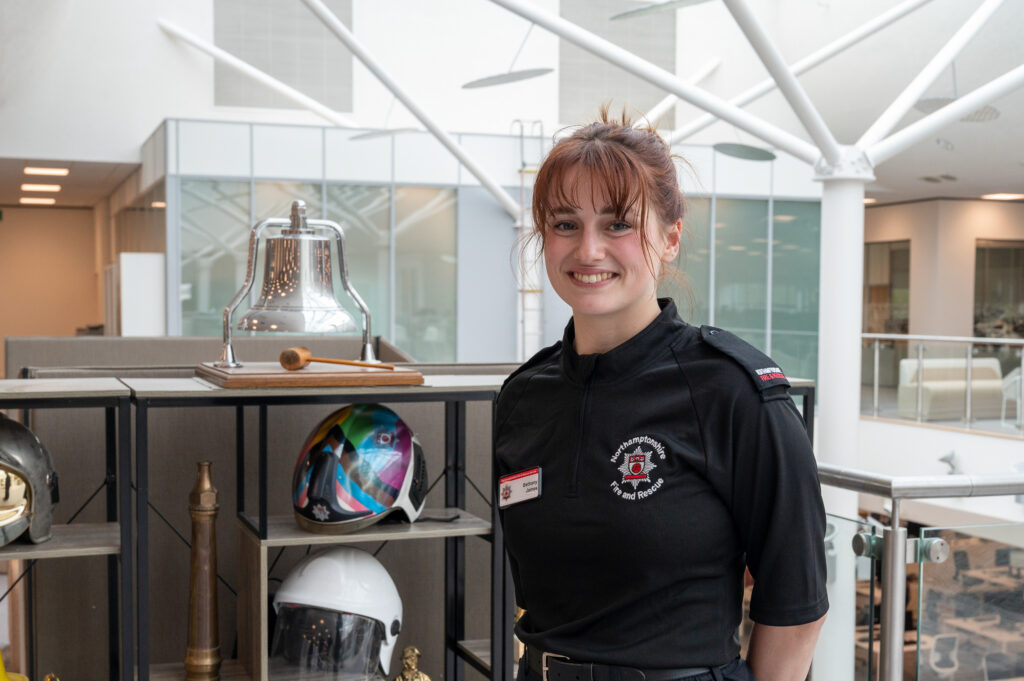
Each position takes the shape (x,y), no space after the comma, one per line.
(410,671)
(202,659)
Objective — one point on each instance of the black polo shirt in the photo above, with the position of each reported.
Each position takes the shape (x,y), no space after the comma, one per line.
(666,467)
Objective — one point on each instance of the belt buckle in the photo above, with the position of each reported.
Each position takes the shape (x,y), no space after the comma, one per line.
(544,657)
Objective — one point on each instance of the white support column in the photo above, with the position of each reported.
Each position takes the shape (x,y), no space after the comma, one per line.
(343,34)
(901,105)
(806,64)
(839,319)
(787,82)
(658,76)
(880,152)
(838,392)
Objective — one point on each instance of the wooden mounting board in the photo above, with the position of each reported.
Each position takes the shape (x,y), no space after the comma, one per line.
(273,375)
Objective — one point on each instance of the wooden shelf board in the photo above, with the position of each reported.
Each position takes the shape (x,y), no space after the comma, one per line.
(282,530)
(163,388)
(14,389)
(478,649)
(69,541)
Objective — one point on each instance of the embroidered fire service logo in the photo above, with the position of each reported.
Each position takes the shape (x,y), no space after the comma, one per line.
(320,512)
(636,462)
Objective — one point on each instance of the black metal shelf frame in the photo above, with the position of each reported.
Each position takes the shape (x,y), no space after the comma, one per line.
(455,496)
(118,506)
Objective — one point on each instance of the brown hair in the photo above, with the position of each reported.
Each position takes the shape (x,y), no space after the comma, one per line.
(634,166)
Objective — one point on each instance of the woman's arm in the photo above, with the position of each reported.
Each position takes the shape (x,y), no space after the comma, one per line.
(782,653)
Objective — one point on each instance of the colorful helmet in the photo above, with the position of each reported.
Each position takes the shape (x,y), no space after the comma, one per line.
(338,611)
(361,463)
(28,484)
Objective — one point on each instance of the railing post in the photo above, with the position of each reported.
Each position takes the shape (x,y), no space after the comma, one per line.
(874,406)
(1020,393)
(920,382)
(968,416)
(894,598)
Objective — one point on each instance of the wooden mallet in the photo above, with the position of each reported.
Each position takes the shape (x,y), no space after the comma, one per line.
(294,359)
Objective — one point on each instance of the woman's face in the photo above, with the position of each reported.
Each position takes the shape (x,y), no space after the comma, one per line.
(595,259)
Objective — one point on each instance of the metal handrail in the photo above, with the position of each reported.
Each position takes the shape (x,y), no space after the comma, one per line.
(894,567)
(920,486)
(971,342)
(976,340)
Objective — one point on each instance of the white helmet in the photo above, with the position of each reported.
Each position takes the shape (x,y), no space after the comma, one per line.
(338,611)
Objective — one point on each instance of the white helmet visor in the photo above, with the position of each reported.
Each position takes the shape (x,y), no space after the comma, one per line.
(314,643)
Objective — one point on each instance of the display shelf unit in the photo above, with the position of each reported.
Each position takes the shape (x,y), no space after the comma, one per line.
(77,540)
(259,533)
(282,531)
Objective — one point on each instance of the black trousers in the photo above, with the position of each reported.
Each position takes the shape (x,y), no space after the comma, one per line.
(737,670)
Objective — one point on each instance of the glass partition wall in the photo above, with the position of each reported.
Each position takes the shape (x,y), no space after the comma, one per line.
(749,262)
(758,276)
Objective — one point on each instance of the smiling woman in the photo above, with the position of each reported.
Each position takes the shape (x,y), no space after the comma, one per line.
(643,463)
(608,211)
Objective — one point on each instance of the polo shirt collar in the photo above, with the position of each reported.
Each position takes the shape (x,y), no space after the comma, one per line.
(625,358)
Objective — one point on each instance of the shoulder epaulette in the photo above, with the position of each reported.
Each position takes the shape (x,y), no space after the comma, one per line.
(762,370)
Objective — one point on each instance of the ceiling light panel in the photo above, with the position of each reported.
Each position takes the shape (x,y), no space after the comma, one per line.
(40,187)
(37,201)
(1003,197)
(54,172)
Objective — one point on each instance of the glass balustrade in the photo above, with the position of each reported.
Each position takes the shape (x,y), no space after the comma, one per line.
(971,622)
(925,379)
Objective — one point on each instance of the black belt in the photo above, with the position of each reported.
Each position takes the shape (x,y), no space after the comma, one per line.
(554,667)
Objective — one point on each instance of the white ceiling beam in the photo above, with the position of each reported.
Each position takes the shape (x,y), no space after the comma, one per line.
(667,104)
(787,82)
(902,104)
(247,69)
(882,151)
(346,36)
(658,76)
(806,64)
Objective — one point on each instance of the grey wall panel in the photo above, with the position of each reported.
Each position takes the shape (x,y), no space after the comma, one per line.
(486,286)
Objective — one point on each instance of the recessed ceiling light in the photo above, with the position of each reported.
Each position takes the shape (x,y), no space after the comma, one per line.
(868,199)
(56,172)
(158,204)
(40,187)
(784,218)
(1003,197)
(37,201)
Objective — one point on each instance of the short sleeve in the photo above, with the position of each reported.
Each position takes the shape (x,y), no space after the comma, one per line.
(778,511)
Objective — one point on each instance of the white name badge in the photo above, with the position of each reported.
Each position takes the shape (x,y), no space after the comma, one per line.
(518,487)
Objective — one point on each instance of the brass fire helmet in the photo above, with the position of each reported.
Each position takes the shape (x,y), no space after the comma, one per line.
(28,484)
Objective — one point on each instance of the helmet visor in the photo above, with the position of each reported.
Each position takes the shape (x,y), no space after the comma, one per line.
(14,497)
(313,643)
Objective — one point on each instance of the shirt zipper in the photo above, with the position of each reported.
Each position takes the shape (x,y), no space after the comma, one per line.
(574,480)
